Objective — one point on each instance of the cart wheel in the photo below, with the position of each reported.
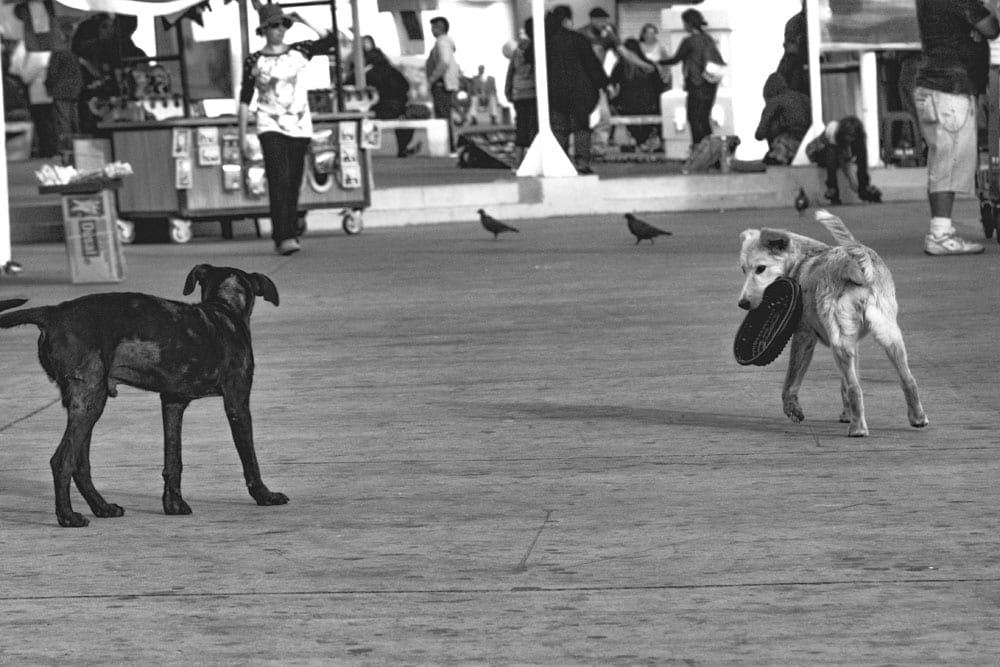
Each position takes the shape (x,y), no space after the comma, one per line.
(126,231)
(352,222)
(180,230)
(300,225)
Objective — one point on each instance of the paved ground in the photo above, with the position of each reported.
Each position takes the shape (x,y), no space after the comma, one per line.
(537,450)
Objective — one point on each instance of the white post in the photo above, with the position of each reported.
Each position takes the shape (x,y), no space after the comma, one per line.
(5,249)
(869,106)
(815,82)
(545,157)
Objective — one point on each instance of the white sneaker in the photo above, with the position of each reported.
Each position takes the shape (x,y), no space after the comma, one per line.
(951,244)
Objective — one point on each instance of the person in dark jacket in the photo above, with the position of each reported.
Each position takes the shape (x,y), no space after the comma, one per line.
(786,118)
(64,81)
(576,78)
(695,51)
(638,91)
(842,143)
(393,91)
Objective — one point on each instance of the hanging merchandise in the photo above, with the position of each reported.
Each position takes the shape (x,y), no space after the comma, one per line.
(349,169)
(232,162)
(323,151)
(209,153)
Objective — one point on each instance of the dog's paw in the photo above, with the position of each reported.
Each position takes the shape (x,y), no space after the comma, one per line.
(174,505)
(919,421)
(108,511)
(270,498)
(73,520)
(793,410)
(845,416)
(857,431)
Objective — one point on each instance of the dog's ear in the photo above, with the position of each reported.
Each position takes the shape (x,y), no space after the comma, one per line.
(776,241)
(748,233)
(263,286)
(196,276)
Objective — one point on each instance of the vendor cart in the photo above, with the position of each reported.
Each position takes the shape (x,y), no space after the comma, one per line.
(183,174)
(189,167)
(988,175)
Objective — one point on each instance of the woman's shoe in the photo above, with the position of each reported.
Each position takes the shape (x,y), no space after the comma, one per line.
(288,247)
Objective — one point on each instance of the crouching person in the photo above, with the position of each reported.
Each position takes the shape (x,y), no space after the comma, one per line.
(842,144)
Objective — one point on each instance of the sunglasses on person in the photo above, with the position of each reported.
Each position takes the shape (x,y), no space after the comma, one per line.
(284,23)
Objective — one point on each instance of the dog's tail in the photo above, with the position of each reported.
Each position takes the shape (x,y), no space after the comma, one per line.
(841,234)
(34,316)
(860,263)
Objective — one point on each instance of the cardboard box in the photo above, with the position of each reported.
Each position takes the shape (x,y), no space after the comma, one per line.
(92,244)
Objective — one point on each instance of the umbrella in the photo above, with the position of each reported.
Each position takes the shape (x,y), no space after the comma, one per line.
(141,8)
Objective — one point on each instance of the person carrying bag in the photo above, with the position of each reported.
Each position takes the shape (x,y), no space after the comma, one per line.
(703,69)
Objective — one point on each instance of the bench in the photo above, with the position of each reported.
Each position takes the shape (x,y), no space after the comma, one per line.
(436,129)
(622,121)
(652,119)
(18,140)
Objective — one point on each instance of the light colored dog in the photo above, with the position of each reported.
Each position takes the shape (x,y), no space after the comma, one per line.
(847,292)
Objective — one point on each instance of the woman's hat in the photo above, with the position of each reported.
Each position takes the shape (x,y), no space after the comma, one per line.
(270,15)
(694,17)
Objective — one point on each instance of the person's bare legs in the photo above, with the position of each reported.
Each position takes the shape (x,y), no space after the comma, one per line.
(941,204)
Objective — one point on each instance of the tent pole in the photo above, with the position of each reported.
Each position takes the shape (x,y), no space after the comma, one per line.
(815,80)
(545,157)
(5,247)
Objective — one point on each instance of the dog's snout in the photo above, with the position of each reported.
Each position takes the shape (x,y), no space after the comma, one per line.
(744,304)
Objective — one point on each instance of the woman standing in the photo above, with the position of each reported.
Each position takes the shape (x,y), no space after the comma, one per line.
(655,52)
(284,120)
(697,50)
(519,88)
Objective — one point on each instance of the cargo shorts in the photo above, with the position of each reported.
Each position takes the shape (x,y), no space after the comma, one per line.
(948,124)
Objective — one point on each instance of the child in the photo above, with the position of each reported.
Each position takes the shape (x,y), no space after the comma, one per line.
(842,143)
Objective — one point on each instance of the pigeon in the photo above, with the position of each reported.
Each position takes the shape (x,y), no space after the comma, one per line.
(643,230)
(493,225)
(801,201)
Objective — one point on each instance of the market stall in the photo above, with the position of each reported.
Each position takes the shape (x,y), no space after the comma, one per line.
(187,162)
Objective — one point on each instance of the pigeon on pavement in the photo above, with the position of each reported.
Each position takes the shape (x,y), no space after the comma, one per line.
(642,230)
(801,201)
(493,225)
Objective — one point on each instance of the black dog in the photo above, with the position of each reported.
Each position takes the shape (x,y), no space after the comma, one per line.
(183,351)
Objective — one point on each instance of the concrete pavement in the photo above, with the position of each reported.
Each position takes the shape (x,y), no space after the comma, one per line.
(537,450)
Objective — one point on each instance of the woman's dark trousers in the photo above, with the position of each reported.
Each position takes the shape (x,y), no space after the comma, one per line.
(284,163)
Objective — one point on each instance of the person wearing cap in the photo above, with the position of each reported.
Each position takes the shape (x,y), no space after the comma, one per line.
(284,120)
(695,51)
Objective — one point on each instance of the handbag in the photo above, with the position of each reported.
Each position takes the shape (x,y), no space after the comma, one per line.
(714,72)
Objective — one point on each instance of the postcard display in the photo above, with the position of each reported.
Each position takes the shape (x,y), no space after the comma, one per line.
(202,150)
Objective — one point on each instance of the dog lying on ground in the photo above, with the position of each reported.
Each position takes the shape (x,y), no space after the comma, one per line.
(847,292)
(183,351)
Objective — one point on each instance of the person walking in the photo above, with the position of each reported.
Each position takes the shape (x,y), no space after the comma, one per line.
(576,79)
(519,88)
(284,120)
(696,51)
(443,73)
(953,72)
